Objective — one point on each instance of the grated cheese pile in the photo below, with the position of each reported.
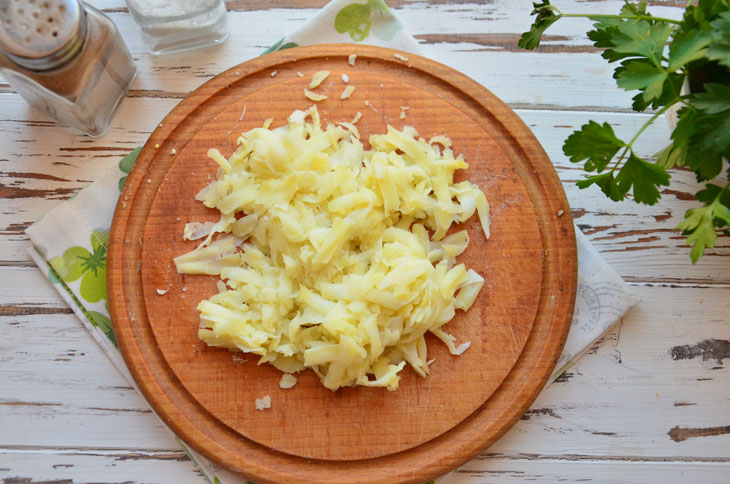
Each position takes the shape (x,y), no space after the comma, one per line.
(324,253)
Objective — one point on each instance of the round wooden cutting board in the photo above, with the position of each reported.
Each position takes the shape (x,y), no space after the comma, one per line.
(355,435)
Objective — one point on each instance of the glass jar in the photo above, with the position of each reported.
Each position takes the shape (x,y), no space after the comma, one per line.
(178,25)
(65,58)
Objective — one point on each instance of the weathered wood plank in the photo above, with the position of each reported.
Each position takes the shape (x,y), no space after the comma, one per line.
(638,241)
(114,6)
(647,404)
(664,367)
(102,466)
(495,469)
(477,38)
(58,389)
(64,466)
(27,287)
(668,361)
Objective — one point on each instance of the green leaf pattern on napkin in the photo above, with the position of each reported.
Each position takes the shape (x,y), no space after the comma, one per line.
(357,19)
(280,45)
(126,164)
(89,265)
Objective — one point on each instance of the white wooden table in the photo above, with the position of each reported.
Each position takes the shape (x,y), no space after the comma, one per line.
(648,403)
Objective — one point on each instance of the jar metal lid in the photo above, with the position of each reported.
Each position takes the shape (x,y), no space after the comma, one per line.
(41,34)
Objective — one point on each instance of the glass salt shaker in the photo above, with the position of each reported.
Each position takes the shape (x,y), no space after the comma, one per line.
(178,25)
(66,59)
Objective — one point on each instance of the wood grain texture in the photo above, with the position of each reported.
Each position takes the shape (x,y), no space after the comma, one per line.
(606,421)
(640,242)
(459,409)
(598,410)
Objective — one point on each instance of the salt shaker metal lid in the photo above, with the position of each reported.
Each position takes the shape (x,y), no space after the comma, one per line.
(41,34)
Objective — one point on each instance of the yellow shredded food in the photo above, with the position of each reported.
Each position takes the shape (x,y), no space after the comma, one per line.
(317,78)
(313,96)
(336,258)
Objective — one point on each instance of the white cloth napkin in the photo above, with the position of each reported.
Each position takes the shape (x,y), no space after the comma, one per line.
(70,242)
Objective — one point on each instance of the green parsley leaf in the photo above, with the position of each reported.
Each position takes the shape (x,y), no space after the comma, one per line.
(709,193)
(645,177)
(688,47)
(602,38)
(699,223)
(686,126)
(706,165)
(719,49)
(714,100)
(593,142)
(712,134)
(672,86)
(710,138)
(639,38)
(698,226)
(699,55)
(639,74)
(671,156)
(546,16)
(607,183)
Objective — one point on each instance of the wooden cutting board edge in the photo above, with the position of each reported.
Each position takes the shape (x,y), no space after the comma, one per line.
(421,463)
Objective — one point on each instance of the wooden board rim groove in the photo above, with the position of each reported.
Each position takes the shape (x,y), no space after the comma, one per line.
(434,457)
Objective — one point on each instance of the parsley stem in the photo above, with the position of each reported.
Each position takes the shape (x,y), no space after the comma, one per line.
(621,158)
(622,17)
(630,144)
(648,123)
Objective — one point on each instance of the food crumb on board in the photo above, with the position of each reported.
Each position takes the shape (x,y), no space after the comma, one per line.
(401,58)
(274,73)
(313,96)
(300,74)
(263,403)
(287,380)
(157,145)
(149,180)
(356,118)
(162,292)
(345,78)
(462,348)
(347,92)
(351,59)
(403,110)
(238,358)
(243,113)
(173,151)
(185,288)
(317,78)
(560,213)
(430,362)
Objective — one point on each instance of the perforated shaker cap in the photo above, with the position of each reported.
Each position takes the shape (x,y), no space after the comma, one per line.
(41,34)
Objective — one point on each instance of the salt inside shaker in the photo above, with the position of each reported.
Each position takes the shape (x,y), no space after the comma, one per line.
(178,25)
(66,59)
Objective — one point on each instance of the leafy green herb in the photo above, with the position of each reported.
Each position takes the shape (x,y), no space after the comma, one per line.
(545,16)
(699,223)
(657,56)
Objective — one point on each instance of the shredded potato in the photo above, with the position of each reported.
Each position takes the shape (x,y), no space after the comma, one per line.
(317,78)
(313,96)
(335,258)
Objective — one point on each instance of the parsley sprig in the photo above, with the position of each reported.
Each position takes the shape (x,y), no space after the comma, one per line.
(658,56)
